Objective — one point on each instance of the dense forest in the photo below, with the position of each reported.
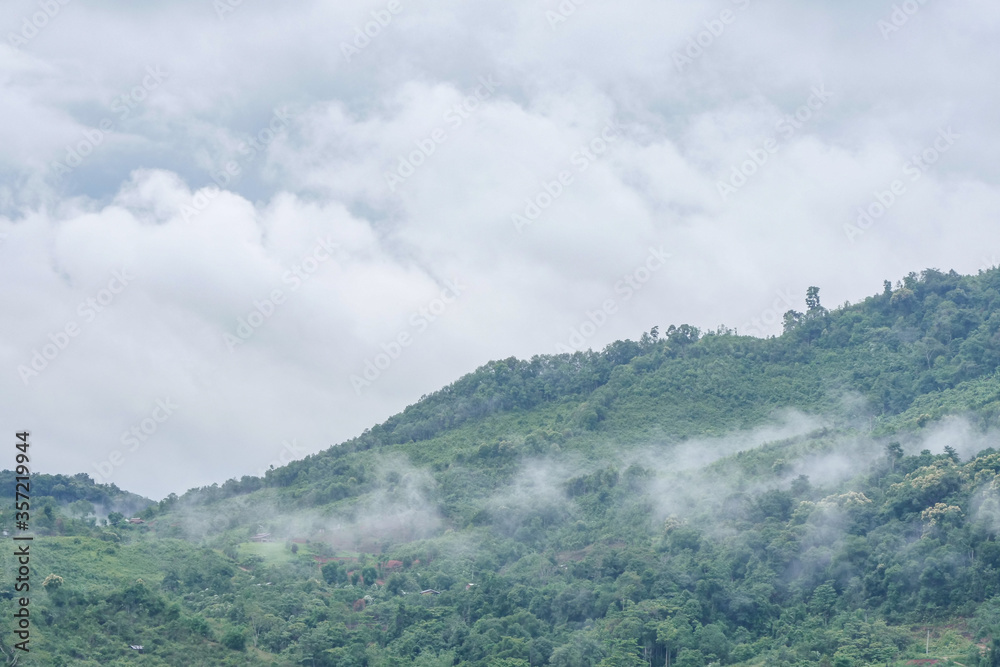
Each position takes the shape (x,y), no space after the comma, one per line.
(829,496)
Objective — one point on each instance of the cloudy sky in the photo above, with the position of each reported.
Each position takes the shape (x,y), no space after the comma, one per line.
(235,233)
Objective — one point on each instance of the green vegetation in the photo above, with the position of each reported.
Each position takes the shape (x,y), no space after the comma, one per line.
(827,497)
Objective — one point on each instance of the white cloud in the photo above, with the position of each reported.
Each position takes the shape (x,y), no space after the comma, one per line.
(349,123)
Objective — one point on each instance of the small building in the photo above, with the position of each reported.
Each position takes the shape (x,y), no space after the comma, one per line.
(136,520)
(261,537)
(136,647)
(430,591)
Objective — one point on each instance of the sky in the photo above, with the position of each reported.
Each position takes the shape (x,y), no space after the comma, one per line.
(234,233)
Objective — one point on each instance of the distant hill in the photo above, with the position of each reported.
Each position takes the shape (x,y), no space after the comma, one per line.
(823,497)
(933,337)
(78,494)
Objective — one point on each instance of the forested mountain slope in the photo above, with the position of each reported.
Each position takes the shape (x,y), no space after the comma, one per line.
(824,497)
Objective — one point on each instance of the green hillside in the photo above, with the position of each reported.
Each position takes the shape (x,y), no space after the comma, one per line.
(830,496)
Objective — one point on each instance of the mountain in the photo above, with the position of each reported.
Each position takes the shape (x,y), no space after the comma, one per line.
(829,496)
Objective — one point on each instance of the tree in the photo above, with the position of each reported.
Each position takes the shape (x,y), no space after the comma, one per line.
(894,452)
(791,319)
(171,582)
(235,639)
(81,508)
(673,634)
(683,335)
(582,651)
(712,642)
(813,306)
(52,583)
(395,583)
(624,653)
(993,657)
(823,600)
(690,658)
(333,573)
